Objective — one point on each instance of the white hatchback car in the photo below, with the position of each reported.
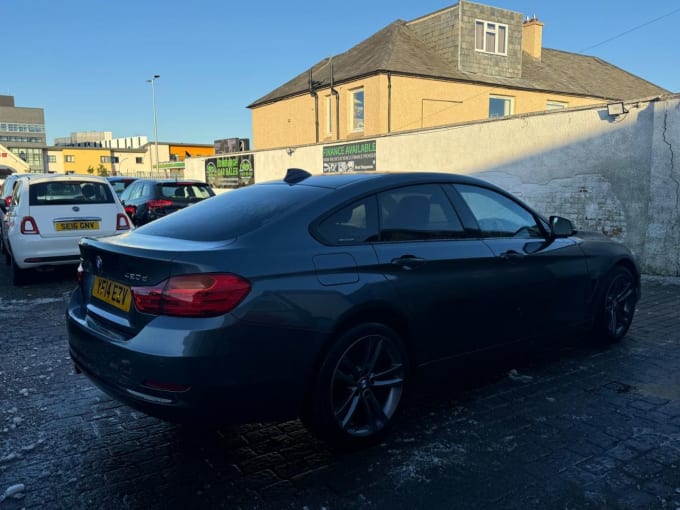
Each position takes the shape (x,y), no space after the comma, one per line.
(47,216)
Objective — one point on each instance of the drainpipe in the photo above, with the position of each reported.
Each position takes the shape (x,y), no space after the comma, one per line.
(337,102)
(316,106)
(389,102)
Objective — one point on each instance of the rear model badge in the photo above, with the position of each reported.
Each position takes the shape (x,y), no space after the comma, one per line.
(99,263)
(75,208)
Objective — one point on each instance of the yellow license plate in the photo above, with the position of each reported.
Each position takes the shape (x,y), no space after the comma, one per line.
(113,293)
(62,226)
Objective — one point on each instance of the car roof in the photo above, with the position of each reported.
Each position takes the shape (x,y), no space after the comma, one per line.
(121,178)
(68,177)
(340,180)
(173,181)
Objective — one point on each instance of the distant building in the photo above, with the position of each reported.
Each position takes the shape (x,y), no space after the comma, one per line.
(462,63)
(100,139)
(22,131)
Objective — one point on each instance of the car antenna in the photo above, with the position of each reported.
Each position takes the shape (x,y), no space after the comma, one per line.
(295,175)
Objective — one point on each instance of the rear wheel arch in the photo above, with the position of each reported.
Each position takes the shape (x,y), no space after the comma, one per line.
(380,313)
(381,320)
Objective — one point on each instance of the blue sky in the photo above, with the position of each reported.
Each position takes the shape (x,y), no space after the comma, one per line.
(86,62)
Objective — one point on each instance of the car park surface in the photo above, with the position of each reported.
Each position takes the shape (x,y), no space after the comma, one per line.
(571,425)
(376,279)
(148,199)
(48,215)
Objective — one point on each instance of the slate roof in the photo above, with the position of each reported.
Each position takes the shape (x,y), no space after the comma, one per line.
(397,49)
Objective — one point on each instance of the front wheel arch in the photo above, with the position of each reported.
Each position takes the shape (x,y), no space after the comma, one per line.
(616,303)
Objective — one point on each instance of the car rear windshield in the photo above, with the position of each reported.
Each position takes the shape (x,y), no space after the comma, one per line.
(69,192)
(186,190)
(233,213)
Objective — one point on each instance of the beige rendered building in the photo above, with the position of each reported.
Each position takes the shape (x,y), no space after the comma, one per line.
(462,63)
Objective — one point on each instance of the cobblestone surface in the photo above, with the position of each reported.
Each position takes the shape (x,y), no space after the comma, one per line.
(572,426)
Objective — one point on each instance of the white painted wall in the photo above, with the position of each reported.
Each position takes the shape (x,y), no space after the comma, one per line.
(617,175)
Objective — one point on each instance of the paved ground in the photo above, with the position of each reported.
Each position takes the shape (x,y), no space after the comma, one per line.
(572,427)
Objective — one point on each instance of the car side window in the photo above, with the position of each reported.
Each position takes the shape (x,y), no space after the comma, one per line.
(498,215)
(16,194)
(356,223)
(127,192)
(418,213)
(148,190)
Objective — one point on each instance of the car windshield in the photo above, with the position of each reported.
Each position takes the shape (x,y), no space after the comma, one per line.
(70,192)
(233,213)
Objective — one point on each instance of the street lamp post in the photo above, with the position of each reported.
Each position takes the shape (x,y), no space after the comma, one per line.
(155,128)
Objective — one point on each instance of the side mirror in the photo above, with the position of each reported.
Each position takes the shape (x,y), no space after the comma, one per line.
(561,227)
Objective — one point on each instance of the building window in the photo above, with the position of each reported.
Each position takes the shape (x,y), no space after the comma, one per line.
(357,109)
(51,158)
(329,109)
(105,159)
(500,106)
(491,37)
(555,105)
(69,159)
(139,161)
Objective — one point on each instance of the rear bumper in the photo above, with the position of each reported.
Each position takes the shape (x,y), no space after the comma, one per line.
(35,251)
(221,371)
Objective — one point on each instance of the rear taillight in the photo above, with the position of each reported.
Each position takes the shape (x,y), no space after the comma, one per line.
(122,222)
(8,200)
(28,225)
(130,209)
(156,204)
(193,295)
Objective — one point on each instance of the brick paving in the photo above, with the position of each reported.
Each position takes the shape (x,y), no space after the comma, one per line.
(567,426)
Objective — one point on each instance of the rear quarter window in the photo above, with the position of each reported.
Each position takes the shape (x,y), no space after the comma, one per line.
(69,192)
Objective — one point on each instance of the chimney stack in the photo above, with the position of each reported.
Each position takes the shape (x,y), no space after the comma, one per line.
(532,37)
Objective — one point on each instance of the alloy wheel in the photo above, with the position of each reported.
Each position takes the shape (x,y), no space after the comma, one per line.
(367,385)
(619,305)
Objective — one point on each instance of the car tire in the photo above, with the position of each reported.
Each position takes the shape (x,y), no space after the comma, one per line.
(19,275)
(616,306)
(361,384)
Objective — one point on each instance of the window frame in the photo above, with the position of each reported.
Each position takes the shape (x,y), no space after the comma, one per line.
(354,125)
(552,104)
(329,117)
(510,101)
(491,28)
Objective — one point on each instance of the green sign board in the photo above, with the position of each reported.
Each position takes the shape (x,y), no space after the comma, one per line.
(230,171)
(349,157)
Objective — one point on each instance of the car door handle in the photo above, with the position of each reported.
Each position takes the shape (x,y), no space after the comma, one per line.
(408,261)
(511,255)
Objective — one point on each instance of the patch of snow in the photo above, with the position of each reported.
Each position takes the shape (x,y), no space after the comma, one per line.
(14,491)
(23,304)
(515,376)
